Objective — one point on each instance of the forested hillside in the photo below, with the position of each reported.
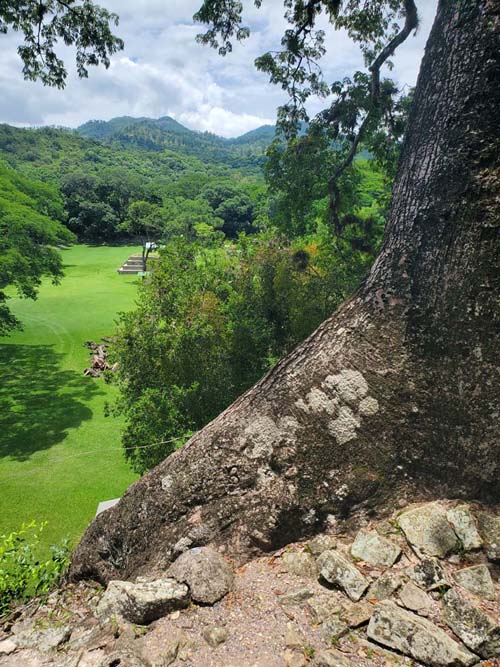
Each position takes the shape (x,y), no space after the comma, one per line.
(99,181)
(246,151)
(250,263)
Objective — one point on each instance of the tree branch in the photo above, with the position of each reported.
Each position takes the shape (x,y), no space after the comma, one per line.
(411,23)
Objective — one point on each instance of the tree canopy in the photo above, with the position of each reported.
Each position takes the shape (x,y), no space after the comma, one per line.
(358,106)
(29,234)
(81,24)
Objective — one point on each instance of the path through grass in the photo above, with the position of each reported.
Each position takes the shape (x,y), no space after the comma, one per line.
(59,454)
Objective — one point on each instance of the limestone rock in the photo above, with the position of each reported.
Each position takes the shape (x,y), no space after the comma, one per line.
(331,658)
(476,579)
(295,597)
(337,570)
(93,639)
(323,606)
(46,639)
(371,547)
(428,531)
(429,574)
(416,637)
(300,563)
(321,543)
(478,631)
(215,635)
(205,571)
(142,602)
(335,628)
(176,648)
(356,613)
(294,637)
(414,598)
(7,646)
(294,659)
(489,527)
(387,584)
(462,520)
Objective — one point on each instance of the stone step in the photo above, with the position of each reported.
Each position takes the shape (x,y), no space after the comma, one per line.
(133,265)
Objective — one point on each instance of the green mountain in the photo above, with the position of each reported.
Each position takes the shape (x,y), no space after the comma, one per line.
(166,133)
(264,133)
(48,154)
(102,130)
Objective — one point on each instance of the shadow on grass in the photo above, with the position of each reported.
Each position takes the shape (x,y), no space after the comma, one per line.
(38,400)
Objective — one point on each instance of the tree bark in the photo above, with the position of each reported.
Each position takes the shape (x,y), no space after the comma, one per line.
(396,395)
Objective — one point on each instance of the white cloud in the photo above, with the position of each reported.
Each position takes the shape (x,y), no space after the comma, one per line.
(163,71)
(221,121)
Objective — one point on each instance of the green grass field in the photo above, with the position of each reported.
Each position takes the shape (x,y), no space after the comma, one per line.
(59,454)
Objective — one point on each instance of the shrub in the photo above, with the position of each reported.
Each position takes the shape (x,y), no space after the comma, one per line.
(23,574)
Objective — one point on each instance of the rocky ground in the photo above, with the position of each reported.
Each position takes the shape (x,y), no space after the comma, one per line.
(419,589)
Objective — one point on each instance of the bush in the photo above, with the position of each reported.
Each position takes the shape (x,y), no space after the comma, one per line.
(23,575)
(210,321)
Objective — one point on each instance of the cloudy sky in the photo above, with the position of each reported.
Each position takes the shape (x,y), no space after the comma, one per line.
(163,71)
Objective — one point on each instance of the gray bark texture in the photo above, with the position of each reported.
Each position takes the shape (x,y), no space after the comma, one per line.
(396,395)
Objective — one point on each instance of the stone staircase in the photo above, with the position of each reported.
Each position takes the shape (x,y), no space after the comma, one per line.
(133,265)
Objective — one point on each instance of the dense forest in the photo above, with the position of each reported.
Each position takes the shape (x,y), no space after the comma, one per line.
(166,133)
(249,265)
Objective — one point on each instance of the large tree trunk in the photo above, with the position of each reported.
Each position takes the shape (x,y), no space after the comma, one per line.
(397,394)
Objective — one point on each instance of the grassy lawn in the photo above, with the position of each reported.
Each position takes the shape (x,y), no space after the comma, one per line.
(59,454)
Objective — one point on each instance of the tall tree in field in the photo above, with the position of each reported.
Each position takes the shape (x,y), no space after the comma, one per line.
(394,396)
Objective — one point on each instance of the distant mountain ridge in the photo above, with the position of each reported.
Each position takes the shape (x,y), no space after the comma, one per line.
(105,129)
(158,134)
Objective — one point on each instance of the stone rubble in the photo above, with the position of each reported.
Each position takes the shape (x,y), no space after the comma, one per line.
(429,574)
(489,527)
(476,579)
(414,598)
(428,530)
(215,636)
(356,614)
(142,602)
(385,586)
(44,639)
(464,525)
(205,571)
(424,596)
(337,570)
(321,543)
(369,546)
(476,629)
(417,637)
(332,658)
(301,564)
